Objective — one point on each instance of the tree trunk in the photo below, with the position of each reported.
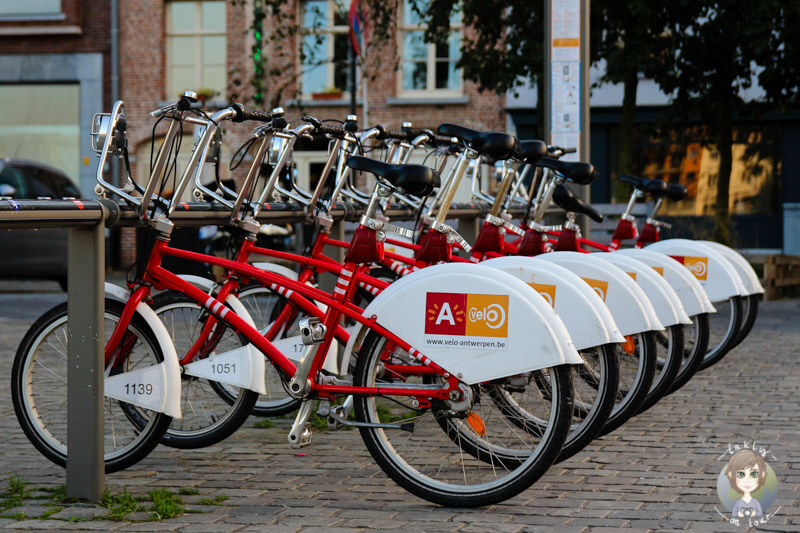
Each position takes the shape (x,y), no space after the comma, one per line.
(722,217)
(627,135)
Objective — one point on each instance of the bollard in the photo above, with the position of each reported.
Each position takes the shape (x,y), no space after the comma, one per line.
(86,343)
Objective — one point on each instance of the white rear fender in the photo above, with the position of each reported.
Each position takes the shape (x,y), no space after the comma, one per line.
(748,276)
(586,317)
(156,387)
(476,322)
(712,270)
(666,303)
(628,304)
(691,293)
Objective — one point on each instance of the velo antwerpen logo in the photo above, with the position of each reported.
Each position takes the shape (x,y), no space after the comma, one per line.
(696,265)
(472,315)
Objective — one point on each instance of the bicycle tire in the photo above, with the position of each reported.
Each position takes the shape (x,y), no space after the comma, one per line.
(750,311)
(670,341)
(444,480)
(594,386)
(695,347)
(44,423)
(724,329)
(636,375)
(207,418)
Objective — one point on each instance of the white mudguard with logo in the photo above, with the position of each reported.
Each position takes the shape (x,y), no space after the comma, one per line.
(586,317)
(293,347)
(476,322)
(712,270)
(691,293)
(156,387)
(243,367)
(749,277)
(666,303)
(630,307)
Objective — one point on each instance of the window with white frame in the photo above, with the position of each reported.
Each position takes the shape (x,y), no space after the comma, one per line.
(325,51)
(196,47)
(428,69)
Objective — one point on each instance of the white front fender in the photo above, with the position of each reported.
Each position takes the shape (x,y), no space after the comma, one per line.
(712,270)
(247,363)
(164,378)
(748,276)
(586,317)
(666,303)
(476,322)
(629,305)
(691,293)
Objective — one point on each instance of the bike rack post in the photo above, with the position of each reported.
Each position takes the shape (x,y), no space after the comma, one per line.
(86,343)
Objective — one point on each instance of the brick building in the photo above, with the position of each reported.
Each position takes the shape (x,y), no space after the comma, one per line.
(55,73)
(167,46)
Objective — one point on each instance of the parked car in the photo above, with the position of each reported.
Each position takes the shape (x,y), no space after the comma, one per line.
(34,254)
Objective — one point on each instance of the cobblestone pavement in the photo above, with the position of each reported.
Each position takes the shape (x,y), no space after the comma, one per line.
(657,473)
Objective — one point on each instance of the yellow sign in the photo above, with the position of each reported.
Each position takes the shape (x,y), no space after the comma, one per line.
(548,292)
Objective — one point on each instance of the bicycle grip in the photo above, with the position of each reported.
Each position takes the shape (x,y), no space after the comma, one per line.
(242,114)
(335,131)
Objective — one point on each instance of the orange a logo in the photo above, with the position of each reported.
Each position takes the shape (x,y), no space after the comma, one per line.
(548,292)
(632,274)
(599,286)
(660,271)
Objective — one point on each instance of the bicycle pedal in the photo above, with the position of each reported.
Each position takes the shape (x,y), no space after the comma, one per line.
(335,415)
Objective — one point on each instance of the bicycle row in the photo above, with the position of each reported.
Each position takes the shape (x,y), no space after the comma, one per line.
(468,369)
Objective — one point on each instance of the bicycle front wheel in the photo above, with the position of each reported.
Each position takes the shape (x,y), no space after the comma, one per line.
(481,457)
(207,417)
(39,390)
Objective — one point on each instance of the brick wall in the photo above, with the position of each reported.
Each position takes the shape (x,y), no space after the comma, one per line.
(143,82)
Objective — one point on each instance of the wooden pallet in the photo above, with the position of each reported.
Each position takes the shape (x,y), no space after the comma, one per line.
(781,276)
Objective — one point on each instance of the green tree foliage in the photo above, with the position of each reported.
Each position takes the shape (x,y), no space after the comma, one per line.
(718,54)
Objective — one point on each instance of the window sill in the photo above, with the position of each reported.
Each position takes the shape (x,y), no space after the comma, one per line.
(429,100)
(342,102)
(40,30)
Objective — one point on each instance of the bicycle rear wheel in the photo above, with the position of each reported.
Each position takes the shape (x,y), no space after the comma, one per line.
(39,390)
(750,311)
(695,341)
(725,326)
(481,457)
(669,356)
(637,364)
(594,385)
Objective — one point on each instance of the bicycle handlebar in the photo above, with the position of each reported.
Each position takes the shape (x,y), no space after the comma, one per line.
(242,114)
